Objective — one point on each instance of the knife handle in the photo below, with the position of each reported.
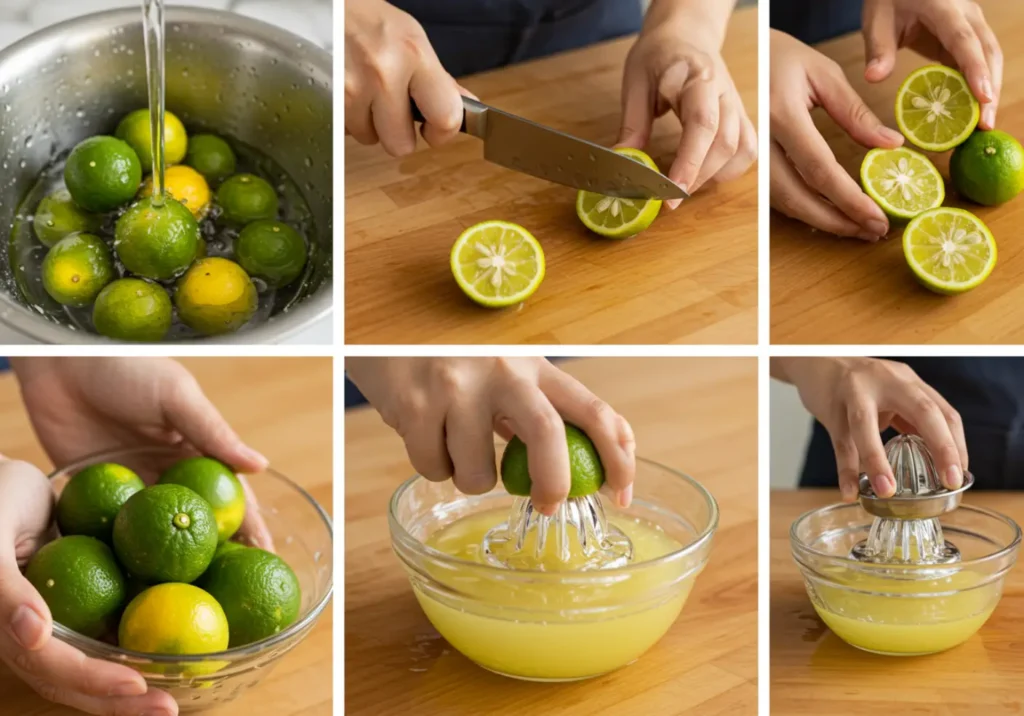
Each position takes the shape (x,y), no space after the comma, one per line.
(470,107)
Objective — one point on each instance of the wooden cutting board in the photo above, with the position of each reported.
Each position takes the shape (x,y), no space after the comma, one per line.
(697,414)
(691,278)
(298,441)
(811,666)
(830,290)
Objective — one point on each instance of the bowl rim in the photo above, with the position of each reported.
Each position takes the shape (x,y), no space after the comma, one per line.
(797,546)
(277,329)
(400,534)
(74,638)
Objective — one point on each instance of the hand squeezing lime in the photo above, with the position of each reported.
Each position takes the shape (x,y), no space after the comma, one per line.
(586,473)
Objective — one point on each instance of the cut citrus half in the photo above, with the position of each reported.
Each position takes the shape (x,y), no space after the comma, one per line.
(616,218)
(949,250)
(935,108)
(901,181)
(497,263)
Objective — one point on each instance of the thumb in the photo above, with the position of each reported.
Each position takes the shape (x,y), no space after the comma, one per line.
(25,505)
(188,411)
(849,111)
(638,98)
(879,40)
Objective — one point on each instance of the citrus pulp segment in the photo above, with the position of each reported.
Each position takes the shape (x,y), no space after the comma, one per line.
(935,108)
(949,250)
(902,182)
(497,263)
(617,218)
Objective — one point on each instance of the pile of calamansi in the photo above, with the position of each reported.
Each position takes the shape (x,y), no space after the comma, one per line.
(160,244)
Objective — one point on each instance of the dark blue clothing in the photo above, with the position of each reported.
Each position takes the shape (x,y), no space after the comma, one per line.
(813,21)
(989,395)
(476,35)
(4,364)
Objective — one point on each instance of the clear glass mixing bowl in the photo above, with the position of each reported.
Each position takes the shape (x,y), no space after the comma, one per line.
(554,626)
(303,537)
(904,609)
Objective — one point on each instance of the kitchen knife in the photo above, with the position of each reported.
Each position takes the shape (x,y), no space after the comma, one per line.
(540,151)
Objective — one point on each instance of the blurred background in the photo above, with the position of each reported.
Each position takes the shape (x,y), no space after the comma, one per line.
(310,19)
(790,433)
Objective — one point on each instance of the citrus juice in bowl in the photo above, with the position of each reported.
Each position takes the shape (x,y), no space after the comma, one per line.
(544,623)
(904,609)
(303,538)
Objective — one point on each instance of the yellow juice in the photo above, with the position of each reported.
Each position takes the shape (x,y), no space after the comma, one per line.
(552,629)
(885,616)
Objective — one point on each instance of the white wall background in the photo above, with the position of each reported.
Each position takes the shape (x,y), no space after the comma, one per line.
(790,432)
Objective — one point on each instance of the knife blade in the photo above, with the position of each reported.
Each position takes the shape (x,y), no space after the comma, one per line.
(530,148)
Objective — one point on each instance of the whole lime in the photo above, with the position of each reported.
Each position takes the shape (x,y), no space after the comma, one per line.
(272,251)
(58,216)
(93,497)
(258,590)
(80,582)
(136,130)
(212,157)
(174,619)
(102,173)
(76,269)
(245,198)
(586,473)
(988,168)
(215,296)
(165,533)
(216,483)
(131,309)
(186,185)
(157,242)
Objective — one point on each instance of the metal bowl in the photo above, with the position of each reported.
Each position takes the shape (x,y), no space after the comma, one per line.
(226,73)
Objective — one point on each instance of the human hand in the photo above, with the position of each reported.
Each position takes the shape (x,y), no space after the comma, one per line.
(81,406)
(56,671)
(677,64)
(388,59)
(856,399)
(447,410)
(953,32)
(807,183)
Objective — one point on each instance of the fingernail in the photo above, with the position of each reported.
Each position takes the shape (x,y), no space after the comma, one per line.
(673,204)
(626,497)
(954,478)
(883,486)
(157,712)
(988,118)
(255,457)
(128,688)
(848,492)
(546,510)
(27,627)
(986,88)
(891,135)
(878,228)
(868,236)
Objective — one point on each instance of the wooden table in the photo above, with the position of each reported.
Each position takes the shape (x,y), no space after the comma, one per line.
(830,290)
(691,278)
(811,666)
(695,414)
(298,441)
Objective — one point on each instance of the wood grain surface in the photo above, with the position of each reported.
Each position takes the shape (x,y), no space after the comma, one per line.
(699,415)
(298,440)
(691,278)
(814,672)
(830,290)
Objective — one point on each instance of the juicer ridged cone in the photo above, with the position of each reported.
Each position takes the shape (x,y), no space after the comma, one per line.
(906,529)
(578,536)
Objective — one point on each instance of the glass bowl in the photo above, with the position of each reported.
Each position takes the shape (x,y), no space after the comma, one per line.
(303,537)
(903,609)
(554,626)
